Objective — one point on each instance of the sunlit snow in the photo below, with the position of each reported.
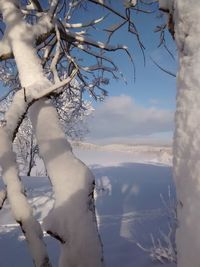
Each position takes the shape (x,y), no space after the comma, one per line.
(129,185)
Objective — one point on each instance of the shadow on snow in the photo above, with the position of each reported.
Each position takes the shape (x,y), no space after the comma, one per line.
(129,208)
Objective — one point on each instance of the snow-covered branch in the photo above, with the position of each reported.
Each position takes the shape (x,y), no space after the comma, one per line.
(84,40)
(53,7)
(56,56)
(23,99)
(35,5)
(43,28)
(37,94)
(84,25)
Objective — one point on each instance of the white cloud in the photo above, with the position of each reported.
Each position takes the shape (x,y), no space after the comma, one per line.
(121,117)
(153,101)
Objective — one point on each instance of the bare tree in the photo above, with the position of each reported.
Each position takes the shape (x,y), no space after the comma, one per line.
(41,53)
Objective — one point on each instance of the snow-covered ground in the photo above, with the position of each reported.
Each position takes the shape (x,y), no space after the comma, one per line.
(131,184)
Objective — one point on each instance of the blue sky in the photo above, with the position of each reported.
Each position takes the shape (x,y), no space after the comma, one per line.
(141,110)
(150,99)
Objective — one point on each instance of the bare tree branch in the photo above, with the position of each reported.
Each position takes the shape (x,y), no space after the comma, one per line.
(163,69)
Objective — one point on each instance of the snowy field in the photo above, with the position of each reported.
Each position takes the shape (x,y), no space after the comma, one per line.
(132,201)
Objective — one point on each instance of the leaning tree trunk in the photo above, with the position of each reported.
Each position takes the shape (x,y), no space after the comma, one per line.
(187,132)
(72,220)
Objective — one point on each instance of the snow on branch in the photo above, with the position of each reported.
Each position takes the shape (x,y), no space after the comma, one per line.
(56,56)
(84,40)
(37,94)
(23,99)
(162,249)
(36,5)
(53,7)
(85,25)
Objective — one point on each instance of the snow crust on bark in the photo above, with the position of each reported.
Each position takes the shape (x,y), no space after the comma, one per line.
(187,133)
(72,218)
(20,42)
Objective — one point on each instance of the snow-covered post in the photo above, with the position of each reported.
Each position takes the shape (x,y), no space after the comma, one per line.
(72,220)
(186,165)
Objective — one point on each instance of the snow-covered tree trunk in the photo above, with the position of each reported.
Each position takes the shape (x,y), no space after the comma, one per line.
(72,220)
(19,204)
(185,16)
(187,133)
(15,192)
